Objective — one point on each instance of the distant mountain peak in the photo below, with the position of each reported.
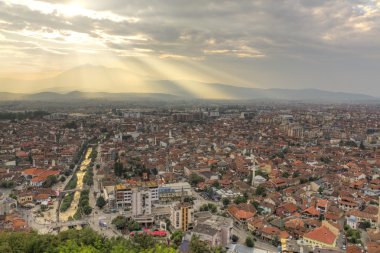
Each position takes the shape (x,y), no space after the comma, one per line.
(94,81)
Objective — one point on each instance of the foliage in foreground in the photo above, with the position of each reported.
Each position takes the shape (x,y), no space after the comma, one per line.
(73,241)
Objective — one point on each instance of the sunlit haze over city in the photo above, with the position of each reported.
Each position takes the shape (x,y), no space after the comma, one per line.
(197,126)
(328,45)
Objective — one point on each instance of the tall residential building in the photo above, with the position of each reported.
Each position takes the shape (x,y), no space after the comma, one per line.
(142,199)
(182,216)
(138,199)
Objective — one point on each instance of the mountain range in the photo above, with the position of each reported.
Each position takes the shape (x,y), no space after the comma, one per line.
(91,82)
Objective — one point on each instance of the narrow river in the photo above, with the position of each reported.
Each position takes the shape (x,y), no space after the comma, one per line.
(64,216)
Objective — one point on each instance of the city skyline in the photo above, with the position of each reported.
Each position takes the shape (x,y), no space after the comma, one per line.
(328,45)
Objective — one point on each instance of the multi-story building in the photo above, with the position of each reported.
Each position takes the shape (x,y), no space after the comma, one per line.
(182,216)
(142,199)
(123,196)
(137,198)
(174,191)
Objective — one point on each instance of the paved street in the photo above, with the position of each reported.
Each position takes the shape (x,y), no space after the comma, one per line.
(243,234)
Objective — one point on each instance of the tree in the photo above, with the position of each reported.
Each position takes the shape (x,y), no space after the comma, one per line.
(276,241)
(365,224)
(208,207)
(120,222)
(325,159)
(256,204)
(296,174)
(262,174)
(87,210)
(234,238)
(260,191)
(62,179)
(143,240)
(133,225)
(285,174)
(361,146)
(249,242)
(50,181)
(7,184)
(118,169)
(168,223)
(101,202)
(226,201)
(189,199)
(176,237)
(240,199)
(13,196)
(195,179)
(198,246)
(78,241)
(216,184)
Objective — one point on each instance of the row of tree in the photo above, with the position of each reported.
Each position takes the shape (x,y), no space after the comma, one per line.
(66,202)
(22,115)
(84,207)
(88,178)
(73,241)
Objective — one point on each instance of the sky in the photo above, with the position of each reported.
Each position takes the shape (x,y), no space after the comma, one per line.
(297,44)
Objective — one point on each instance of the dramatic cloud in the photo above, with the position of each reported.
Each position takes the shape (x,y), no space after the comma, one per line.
(266,43)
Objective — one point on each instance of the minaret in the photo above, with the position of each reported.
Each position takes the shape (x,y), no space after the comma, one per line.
(182,196)
(167,163)
(378,218)
(253,159)
(171,139)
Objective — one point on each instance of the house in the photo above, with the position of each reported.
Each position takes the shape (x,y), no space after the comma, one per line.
(42,198)
(268,233)
(296,227)
(255,224)
(322,205)
(37,177)
(321,237)
(355,217)
(25,197)
(311,212)
(242,212)
(286,209)
(207,233)
(13,223)
(7,205)
(223,224)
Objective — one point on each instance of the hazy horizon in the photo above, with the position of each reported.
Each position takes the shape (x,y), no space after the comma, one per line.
(327,45)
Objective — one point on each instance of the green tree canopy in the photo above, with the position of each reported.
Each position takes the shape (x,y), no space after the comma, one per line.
(249,242)
(101,202)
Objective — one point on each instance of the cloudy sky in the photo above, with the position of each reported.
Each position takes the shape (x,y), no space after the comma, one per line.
(332,45)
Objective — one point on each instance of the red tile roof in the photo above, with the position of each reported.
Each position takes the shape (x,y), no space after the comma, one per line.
(42,177)
(321,234)
(242,211)
(312,211)
(322,203)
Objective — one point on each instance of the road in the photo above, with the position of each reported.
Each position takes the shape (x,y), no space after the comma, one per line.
(199,200)
(243,234)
